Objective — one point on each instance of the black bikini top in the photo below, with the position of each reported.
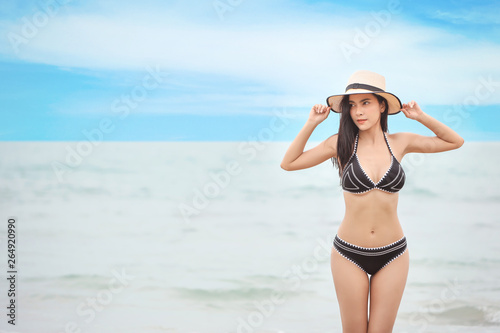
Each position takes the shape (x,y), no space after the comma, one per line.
(355,179)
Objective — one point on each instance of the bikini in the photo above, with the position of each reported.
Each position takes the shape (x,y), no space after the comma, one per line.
(355,180)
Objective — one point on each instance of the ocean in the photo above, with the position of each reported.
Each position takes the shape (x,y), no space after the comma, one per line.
(214,237)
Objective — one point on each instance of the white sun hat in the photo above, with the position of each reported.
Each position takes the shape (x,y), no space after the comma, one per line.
(366,82)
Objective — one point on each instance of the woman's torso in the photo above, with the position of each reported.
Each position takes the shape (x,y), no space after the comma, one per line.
(371,205)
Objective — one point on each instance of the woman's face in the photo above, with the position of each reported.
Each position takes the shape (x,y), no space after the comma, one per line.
(365,110)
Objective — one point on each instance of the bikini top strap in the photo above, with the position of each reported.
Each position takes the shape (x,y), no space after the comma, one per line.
(387,141)
(353,151)
(355,145)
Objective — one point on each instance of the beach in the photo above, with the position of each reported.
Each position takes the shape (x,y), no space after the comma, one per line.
(212,237)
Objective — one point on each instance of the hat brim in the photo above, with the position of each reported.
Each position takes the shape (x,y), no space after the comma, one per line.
(395,105)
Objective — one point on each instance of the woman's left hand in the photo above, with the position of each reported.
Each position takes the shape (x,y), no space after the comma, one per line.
(412,110)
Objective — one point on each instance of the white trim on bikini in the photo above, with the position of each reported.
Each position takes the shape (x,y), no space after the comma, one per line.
(370,248)
(370,253)
(347,173)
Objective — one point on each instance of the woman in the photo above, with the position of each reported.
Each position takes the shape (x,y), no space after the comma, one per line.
(369,258)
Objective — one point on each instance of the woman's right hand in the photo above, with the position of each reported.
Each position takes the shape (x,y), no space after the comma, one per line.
(318,113)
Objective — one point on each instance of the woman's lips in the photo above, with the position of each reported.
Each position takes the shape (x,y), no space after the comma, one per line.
(361,121)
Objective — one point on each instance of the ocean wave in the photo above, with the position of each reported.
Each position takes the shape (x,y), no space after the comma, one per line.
(87,281)
(470,315)
(437,262)
(465,315)
(234,294)
(422,192)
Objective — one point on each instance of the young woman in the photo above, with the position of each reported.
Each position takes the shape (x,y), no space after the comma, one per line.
(369,258)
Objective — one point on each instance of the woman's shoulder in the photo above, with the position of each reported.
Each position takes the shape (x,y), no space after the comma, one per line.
(330,143)
(332,140)
(401,136)
(400,140)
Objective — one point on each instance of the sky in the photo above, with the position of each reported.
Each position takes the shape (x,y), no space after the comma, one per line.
(237,70)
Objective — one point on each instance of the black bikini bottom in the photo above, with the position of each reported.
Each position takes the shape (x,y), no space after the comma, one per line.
(370,259)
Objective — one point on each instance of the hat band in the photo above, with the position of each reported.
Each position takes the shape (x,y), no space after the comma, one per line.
(362,86)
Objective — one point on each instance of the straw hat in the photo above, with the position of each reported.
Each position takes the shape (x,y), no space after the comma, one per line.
(366,82)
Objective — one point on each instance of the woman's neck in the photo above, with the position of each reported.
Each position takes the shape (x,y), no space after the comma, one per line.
(372,135)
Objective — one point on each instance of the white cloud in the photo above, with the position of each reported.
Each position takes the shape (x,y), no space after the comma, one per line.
(299,54)
(484,15)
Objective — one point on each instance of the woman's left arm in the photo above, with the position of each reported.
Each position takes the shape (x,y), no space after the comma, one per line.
(445,139)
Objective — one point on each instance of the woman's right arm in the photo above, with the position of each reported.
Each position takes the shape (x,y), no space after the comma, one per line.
(295,158)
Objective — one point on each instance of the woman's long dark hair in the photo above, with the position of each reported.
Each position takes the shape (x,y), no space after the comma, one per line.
(348,131)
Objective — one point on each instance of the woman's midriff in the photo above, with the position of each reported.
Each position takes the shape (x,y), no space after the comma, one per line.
(370,219)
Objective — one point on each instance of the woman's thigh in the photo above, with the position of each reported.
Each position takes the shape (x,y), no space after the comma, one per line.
(352,287)
(386,291)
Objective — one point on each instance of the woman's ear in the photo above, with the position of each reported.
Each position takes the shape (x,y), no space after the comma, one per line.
(383,107)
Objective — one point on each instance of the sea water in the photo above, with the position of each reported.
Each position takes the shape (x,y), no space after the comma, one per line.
(214,237)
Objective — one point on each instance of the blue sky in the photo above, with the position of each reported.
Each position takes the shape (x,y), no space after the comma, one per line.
(236,70)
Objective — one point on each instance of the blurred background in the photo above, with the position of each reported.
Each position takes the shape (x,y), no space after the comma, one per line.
(141,146)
